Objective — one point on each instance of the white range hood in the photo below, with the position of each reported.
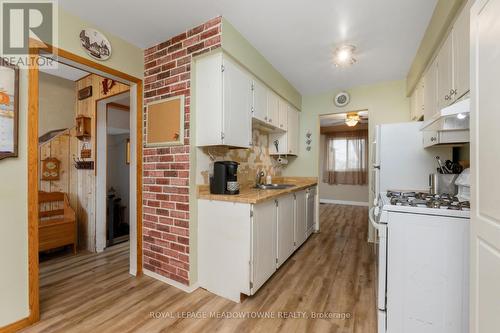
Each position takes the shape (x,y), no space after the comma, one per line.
(449,126)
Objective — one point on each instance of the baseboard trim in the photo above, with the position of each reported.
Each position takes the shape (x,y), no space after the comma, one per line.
(16,326)
(173,283)
(343,202)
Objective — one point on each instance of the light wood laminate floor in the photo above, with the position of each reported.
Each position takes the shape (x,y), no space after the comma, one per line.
(332,273)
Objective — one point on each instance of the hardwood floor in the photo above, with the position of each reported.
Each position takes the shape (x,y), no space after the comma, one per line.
(332,273)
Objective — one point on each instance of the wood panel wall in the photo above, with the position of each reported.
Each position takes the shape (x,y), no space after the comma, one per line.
(80,185)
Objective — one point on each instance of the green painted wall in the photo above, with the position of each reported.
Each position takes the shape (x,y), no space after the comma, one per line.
(386,102)
(13,174)
(239,48)
(441,20)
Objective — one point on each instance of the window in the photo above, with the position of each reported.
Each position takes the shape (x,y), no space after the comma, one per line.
(346,158)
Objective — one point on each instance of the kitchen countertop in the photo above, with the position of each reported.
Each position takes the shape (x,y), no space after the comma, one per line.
(251,195)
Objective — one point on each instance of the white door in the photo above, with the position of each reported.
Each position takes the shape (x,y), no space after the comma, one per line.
(259,101)
(485,163)
(300,218)
(445,73)
(263,243)
(285,228)
(237,96)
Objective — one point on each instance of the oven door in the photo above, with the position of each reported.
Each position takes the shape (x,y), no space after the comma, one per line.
(381,257)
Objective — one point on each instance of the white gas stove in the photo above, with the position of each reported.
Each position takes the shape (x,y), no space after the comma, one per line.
(424,203)
(422,252)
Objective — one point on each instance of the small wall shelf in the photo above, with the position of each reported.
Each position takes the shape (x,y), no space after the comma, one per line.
(83,128)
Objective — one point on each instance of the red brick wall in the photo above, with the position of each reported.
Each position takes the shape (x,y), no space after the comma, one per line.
(167,73)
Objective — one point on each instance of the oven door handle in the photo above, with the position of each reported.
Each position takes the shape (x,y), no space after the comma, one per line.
(371,216)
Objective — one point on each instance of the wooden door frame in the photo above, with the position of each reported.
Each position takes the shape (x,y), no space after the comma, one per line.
(33,92)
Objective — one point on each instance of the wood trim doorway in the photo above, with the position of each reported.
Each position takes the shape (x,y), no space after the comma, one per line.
(33,90)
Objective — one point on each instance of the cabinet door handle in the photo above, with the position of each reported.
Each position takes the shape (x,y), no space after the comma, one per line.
(446,98)
(453,92)
(433,139)
(265,118)
(270,120)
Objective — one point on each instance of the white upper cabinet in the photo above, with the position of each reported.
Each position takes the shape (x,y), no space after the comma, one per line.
(293,131)
(448,75)
(445,73)
(272,108)
(208,99)
(417,101)
(237,113)
(223,95)
(288,142)
(461,55)
(266,107)
(259,101)
(226,101)
(282,114)
(430,91)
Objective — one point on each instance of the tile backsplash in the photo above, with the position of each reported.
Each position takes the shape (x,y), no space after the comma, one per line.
(255,158)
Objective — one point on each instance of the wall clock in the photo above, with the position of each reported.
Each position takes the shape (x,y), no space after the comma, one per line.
(95,44)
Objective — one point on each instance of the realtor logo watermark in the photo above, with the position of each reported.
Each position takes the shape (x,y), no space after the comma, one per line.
(23,21)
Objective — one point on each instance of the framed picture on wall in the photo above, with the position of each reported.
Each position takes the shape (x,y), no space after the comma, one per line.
(165,122)
(9,109)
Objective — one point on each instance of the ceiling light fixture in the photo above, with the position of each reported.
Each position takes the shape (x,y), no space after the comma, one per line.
(352,119)
(344,56)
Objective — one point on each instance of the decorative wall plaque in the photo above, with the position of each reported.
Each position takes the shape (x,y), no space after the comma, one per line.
(95,44)
(50,169)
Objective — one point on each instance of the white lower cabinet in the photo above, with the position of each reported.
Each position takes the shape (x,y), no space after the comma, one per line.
(241,245)
(300,218)
(263,253)
(285,235)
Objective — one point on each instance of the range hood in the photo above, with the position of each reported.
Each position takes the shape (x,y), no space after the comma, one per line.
(448,126)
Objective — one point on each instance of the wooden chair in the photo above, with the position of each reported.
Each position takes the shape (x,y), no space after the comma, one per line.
(57,221)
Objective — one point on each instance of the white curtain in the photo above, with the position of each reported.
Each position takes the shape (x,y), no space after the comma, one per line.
(346,158)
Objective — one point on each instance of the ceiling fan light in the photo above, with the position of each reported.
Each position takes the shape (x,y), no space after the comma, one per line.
(352,119)
(351,122)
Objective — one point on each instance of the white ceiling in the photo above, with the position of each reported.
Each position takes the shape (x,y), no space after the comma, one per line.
(65,71)
(296,36)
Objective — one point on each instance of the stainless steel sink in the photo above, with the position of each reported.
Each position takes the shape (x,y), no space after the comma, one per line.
(273,186)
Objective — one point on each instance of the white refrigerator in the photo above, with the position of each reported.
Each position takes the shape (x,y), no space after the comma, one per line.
(399,159)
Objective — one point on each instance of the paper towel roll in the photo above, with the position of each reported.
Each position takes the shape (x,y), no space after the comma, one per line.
(282,161)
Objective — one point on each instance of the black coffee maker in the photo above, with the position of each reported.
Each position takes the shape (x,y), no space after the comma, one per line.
(225,178)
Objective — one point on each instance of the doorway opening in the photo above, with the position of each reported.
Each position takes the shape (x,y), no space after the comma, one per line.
(343,158)
(113,175)
(64,160)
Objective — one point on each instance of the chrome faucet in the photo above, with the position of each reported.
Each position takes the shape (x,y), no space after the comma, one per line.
(258,178)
